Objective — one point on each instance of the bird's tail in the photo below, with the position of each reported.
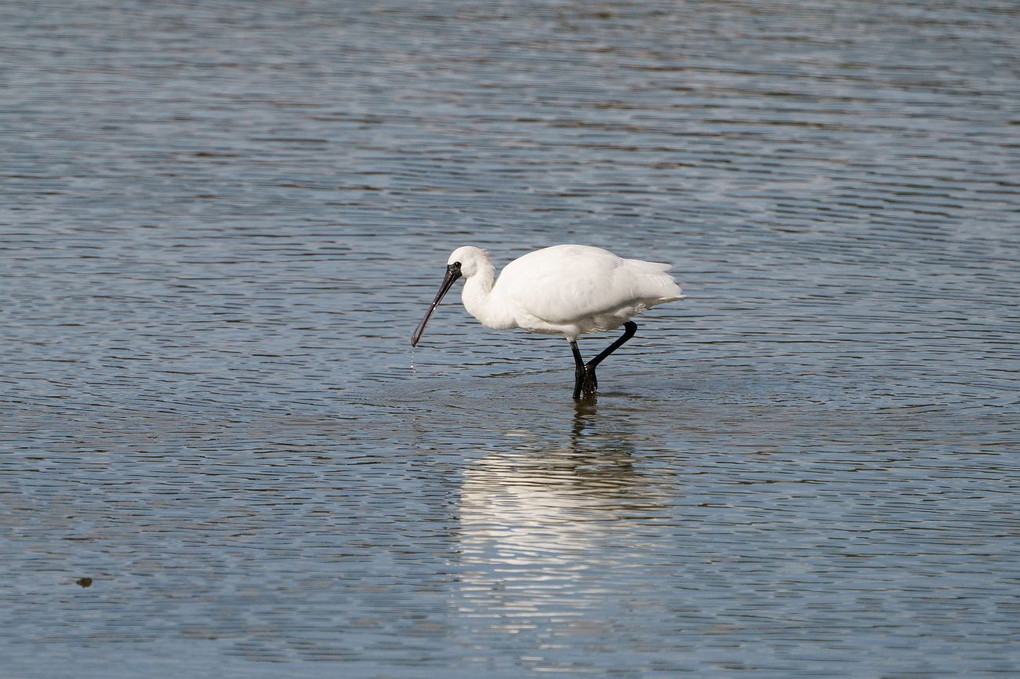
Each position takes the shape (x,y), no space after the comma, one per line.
(657,283)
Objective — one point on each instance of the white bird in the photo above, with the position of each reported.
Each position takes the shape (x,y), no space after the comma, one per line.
(564,290)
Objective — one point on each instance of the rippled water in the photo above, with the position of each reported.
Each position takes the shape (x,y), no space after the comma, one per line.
(220,456)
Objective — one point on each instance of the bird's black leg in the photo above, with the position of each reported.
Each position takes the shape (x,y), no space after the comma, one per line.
(629,328)
(585,380)
(579,369)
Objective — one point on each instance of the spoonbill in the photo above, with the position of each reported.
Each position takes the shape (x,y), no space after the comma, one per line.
(564,290)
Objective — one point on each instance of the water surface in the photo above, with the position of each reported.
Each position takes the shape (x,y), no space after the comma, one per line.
(221,222)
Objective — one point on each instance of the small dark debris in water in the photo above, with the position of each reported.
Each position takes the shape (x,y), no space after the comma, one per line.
(84,582)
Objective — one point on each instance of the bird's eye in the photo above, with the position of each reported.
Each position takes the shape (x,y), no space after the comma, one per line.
(456,265)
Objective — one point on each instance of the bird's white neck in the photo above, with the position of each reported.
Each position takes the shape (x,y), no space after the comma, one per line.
(482,303)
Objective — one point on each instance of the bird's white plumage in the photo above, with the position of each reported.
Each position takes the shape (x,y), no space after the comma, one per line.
(565,290)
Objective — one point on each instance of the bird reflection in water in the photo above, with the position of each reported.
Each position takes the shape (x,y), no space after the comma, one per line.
(544,529)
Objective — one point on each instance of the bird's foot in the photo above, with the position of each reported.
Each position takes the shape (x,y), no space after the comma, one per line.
(585,381)
(587,384)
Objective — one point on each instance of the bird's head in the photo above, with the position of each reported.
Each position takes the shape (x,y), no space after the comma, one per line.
(468,259)
(464,261)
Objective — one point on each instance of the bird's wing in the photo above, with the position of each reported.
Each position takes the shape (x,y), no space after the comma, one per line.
(563,284)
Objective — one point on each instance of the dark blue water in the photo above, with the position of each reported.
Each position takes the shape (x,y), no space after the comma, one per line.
(219,456)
